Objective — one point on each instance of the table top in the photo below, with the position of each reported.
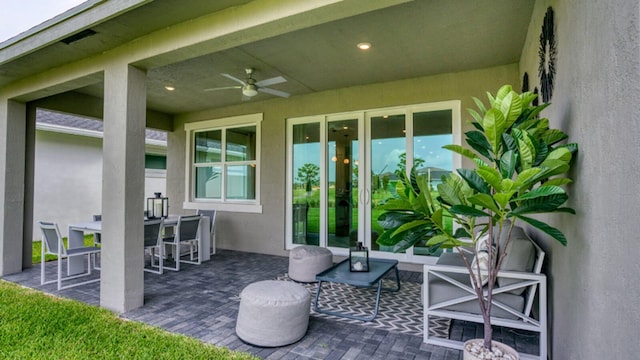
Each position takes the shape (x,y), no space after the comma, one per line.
(340,273)
(96,226)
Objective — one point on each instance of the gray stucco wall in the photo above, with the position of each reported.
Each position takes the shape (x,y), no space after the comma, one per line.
(593,285)
(68,179)
(265,233)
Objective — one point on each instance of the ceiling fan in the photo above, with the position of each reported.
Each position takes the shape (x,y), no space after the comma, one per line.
(250,86)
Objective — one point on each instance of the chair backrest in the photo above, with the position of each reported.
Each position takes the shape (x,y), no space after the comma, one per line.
(188,227)
(51,237)
(212,217)
(152,232)
(97,237)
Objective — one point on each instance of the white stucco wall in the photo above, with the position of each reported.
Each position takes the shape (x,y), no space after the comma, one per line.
(265,233)
(593,284)
(68,179)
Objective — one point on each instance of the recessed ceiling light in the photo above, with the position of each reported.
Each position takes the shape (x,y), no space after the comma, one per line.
(364,46)
(169,87)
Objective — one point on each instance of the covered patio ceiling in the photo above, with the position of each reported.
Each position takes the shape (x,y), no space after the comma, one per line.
(409,40)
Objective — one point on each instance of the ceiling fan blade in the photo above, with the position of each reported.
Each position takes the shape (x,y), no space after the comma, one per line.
(223,88)
(230,77)
(274,92)
(272,81)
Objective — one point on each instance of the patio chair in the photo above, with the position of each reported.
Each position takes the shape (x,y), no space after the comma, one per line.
(97,241)
(186,232)
(52,244)
(212,229)
(153,241)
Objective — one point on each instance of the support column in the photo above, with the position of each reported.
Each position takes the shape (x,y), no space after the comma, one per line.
(122,277)
(12,179)
(29,178)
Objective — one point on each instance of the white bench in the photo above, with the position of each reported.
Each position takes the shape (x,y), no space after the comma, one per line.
(448,293)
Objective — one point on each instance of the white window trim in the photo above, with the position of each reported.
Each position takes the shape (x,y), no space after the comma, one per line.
(408,110)
(244,206)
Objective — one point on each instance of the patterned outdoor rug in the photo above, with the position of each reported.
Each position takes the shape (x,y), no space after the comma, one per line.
(399,311)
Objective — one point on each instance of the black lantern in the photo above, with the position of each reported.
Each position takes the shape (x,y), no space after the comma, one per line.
(157,207)
(359,258)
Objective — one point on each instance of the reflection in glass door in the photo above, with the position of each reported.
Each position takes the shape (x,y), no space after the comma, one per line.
(342,183)
(387,149)
(342,167)
(305,224)
(431,131)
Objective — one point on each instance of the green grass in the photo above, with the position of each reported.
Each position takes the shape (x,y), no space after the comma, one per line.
(38,326)
(37,244)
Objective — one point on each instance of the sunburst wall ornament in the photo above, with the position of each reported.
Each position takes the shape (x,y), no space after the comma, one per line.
(547,53)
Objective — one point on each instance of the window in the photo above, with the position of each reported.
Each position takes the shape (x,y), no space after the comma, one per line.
(223,165)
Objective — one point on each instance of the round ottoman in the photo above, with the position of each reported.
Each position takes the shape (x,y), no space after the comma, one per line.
(273,313)
(308,260)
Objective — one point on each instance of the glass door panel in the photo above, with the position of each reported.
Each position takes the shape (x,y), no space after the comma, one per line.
(306,184)
(342,184)
(431,131)
(387,153)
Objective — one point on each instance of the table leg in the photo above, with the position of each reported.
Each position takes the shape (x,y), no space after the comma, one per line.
(317,308)
(397,281)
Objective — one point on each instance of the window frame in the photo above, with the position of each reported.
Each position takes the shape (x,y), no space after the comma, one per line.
(224,204)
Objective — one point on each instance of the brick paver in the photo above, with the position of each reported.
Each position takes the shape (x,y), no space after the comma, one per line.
(202,302)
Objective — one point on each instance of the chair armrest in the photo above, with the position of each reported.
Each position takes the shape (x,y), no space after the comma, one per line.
(523,275)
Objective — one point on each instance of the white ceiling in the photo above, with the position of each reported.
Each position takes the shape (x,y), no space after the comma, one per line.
(419,38)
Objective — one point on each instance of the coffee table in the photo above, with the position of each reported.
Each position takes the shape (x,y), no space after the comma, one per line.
(340,273)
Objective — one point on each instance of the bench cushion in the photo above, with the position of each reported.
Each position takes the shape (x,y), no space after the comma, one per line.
(520,256)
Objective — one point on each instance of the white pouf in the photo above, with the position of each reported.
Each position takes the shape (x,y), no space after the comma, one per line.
(273,313)
(306,261)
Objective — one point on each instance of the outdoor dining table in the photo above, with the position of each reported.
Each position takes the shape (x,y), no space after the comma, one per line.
(77,231)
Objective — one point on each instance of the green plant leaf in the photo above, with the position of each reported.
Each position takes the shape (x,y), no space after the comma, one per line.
(526,148)
(479,143)
(474,180)
(525,176)
(438,239)
(393,219)
(503,92)
(467,211)
(541,191)
(491,176)
(511,108)
(510,142)
(395,204)
(562,154)
(503,198)
(552,167)
(527,97)
(477,125)
(540,204)
(547,229)
(412,224)
(558,181)
(451,190)
(461,150)
(476,116)
(508,164)
(480,105)
(485,201)
(553,136)
(494,125)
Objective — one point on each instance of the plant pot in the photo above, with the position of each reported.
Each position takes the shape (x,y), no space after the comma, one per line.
(503,352)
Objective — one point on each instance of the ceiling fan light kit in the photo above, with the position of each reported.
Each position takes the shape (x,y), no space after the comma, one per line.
(250,87)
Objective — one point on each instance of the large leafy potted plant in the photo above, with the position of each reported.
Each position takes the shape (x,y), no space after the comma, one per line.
(519,171)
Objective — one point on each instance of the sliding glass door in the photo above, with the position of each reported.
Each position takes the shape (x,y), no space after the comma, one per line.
(341,168)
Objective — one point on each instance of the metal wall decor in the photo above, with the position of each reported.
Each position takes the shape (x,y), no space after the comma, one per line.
(547,53)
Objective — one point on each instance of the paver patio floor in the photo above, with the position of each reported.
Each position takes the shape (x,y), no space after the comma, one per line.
(202,302)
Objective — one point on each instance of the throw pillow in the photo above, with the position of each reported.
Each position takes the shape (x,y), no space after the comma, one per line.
(482,259)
